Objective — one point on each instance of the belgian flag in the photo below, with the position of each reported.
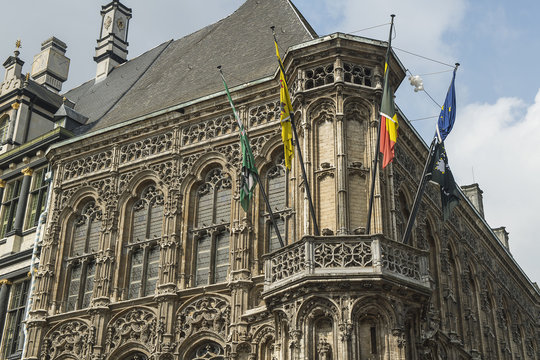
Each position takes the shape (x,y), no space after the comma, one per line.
(389,122)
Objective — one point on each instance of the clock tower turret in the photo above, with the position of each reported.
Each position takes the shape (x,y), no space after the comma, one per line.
(111,49)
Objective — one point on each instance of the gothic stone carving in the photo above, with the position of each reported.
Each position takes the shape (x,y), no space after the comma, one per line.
(137,325)
(210,313)
(146,147)
(209,129)
(262,114)
(71,338)
(88,165)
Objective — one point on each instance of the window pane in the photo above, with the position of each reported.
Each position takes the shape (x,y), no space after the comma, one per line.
(156,221)
(93,237)
(89,284)
(277,194)
(4,126)
(203,260)
(38,197)
(5,219)
(74,286)
(79,236)
(135,276)
(223,206)
(274,241)
(152,271)
(15,315)
(139,222)
(204,209)
(222,257)
(32,211)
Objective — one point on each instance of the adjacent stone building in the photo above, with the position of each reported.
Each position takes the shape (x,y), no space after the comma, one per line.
(148,255)
(31,120)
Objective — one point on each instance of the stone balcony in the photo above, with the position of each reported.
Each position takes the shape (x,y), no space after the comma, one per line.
(368,259)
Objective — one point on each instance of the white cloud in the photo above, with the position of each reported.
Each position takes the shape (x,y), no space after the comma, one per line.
(499,141)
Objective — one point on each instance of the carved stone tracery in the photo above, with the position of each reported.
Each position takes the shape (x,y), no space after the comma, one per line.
(210,313)
(70,338)
(146,147)
(137,325)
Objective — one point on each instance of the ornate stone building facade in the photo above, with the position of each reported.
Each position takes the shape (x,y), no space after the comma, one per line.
(148,255)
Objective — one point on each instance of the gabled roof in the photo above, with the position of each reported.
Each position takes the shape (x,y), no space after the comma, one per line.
(185,69)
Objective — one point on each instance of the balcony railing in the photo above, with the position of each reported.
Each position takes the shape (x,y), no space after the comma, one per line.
(345,256)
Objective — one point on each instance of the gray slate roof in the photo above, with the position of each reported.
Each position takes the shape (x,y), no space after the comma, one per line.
(94,100)
(185,69)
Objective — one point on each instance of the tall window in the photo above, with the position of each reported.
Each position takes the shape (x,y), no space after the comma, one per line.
(9,205)
(212,228)
(143,248)
(277,188)
(81,259)
(14,338)
(38,198)
(4,126)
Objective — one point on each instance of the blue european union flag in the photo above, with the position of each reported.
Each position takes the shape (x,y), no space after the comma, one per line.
(448,112)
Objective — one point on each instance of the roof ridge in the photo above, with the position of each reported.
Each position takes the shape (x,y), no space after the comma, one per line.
(303,20)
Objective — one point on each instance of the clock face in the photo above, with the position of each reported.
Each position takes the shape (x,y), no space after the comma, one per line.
(120,23)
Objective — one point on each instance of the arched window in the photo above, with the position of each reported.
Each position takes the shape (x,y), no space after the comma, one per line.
(143,248)
(207,351)
(81,261)
(277,189)
(211,231)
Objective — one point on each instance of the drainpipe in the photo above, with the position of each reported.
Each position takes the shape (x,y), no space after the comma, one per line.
(33,263)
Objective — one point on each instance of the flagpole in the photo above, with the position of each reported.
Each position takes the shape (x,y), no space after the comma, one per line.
(265,197)
(423,182)
(276,229)
(300,158)
(419,193)
(378,143)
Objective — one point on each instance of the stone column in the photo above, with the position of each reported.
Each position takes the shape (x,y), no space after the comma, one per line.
(4,298)
(23,197)
(341,166)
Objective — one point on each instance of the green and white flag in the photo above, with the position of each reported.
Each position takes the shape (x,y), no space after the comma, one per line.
(249,173)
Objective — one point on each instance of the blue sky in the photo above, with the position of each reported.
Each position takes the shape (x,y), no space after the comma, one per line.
(497,84)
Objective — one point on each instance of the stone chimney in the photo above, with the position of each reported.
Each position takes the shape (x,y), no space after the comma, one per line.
(474,194)
(502,234)
(111,49)
(51,67)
